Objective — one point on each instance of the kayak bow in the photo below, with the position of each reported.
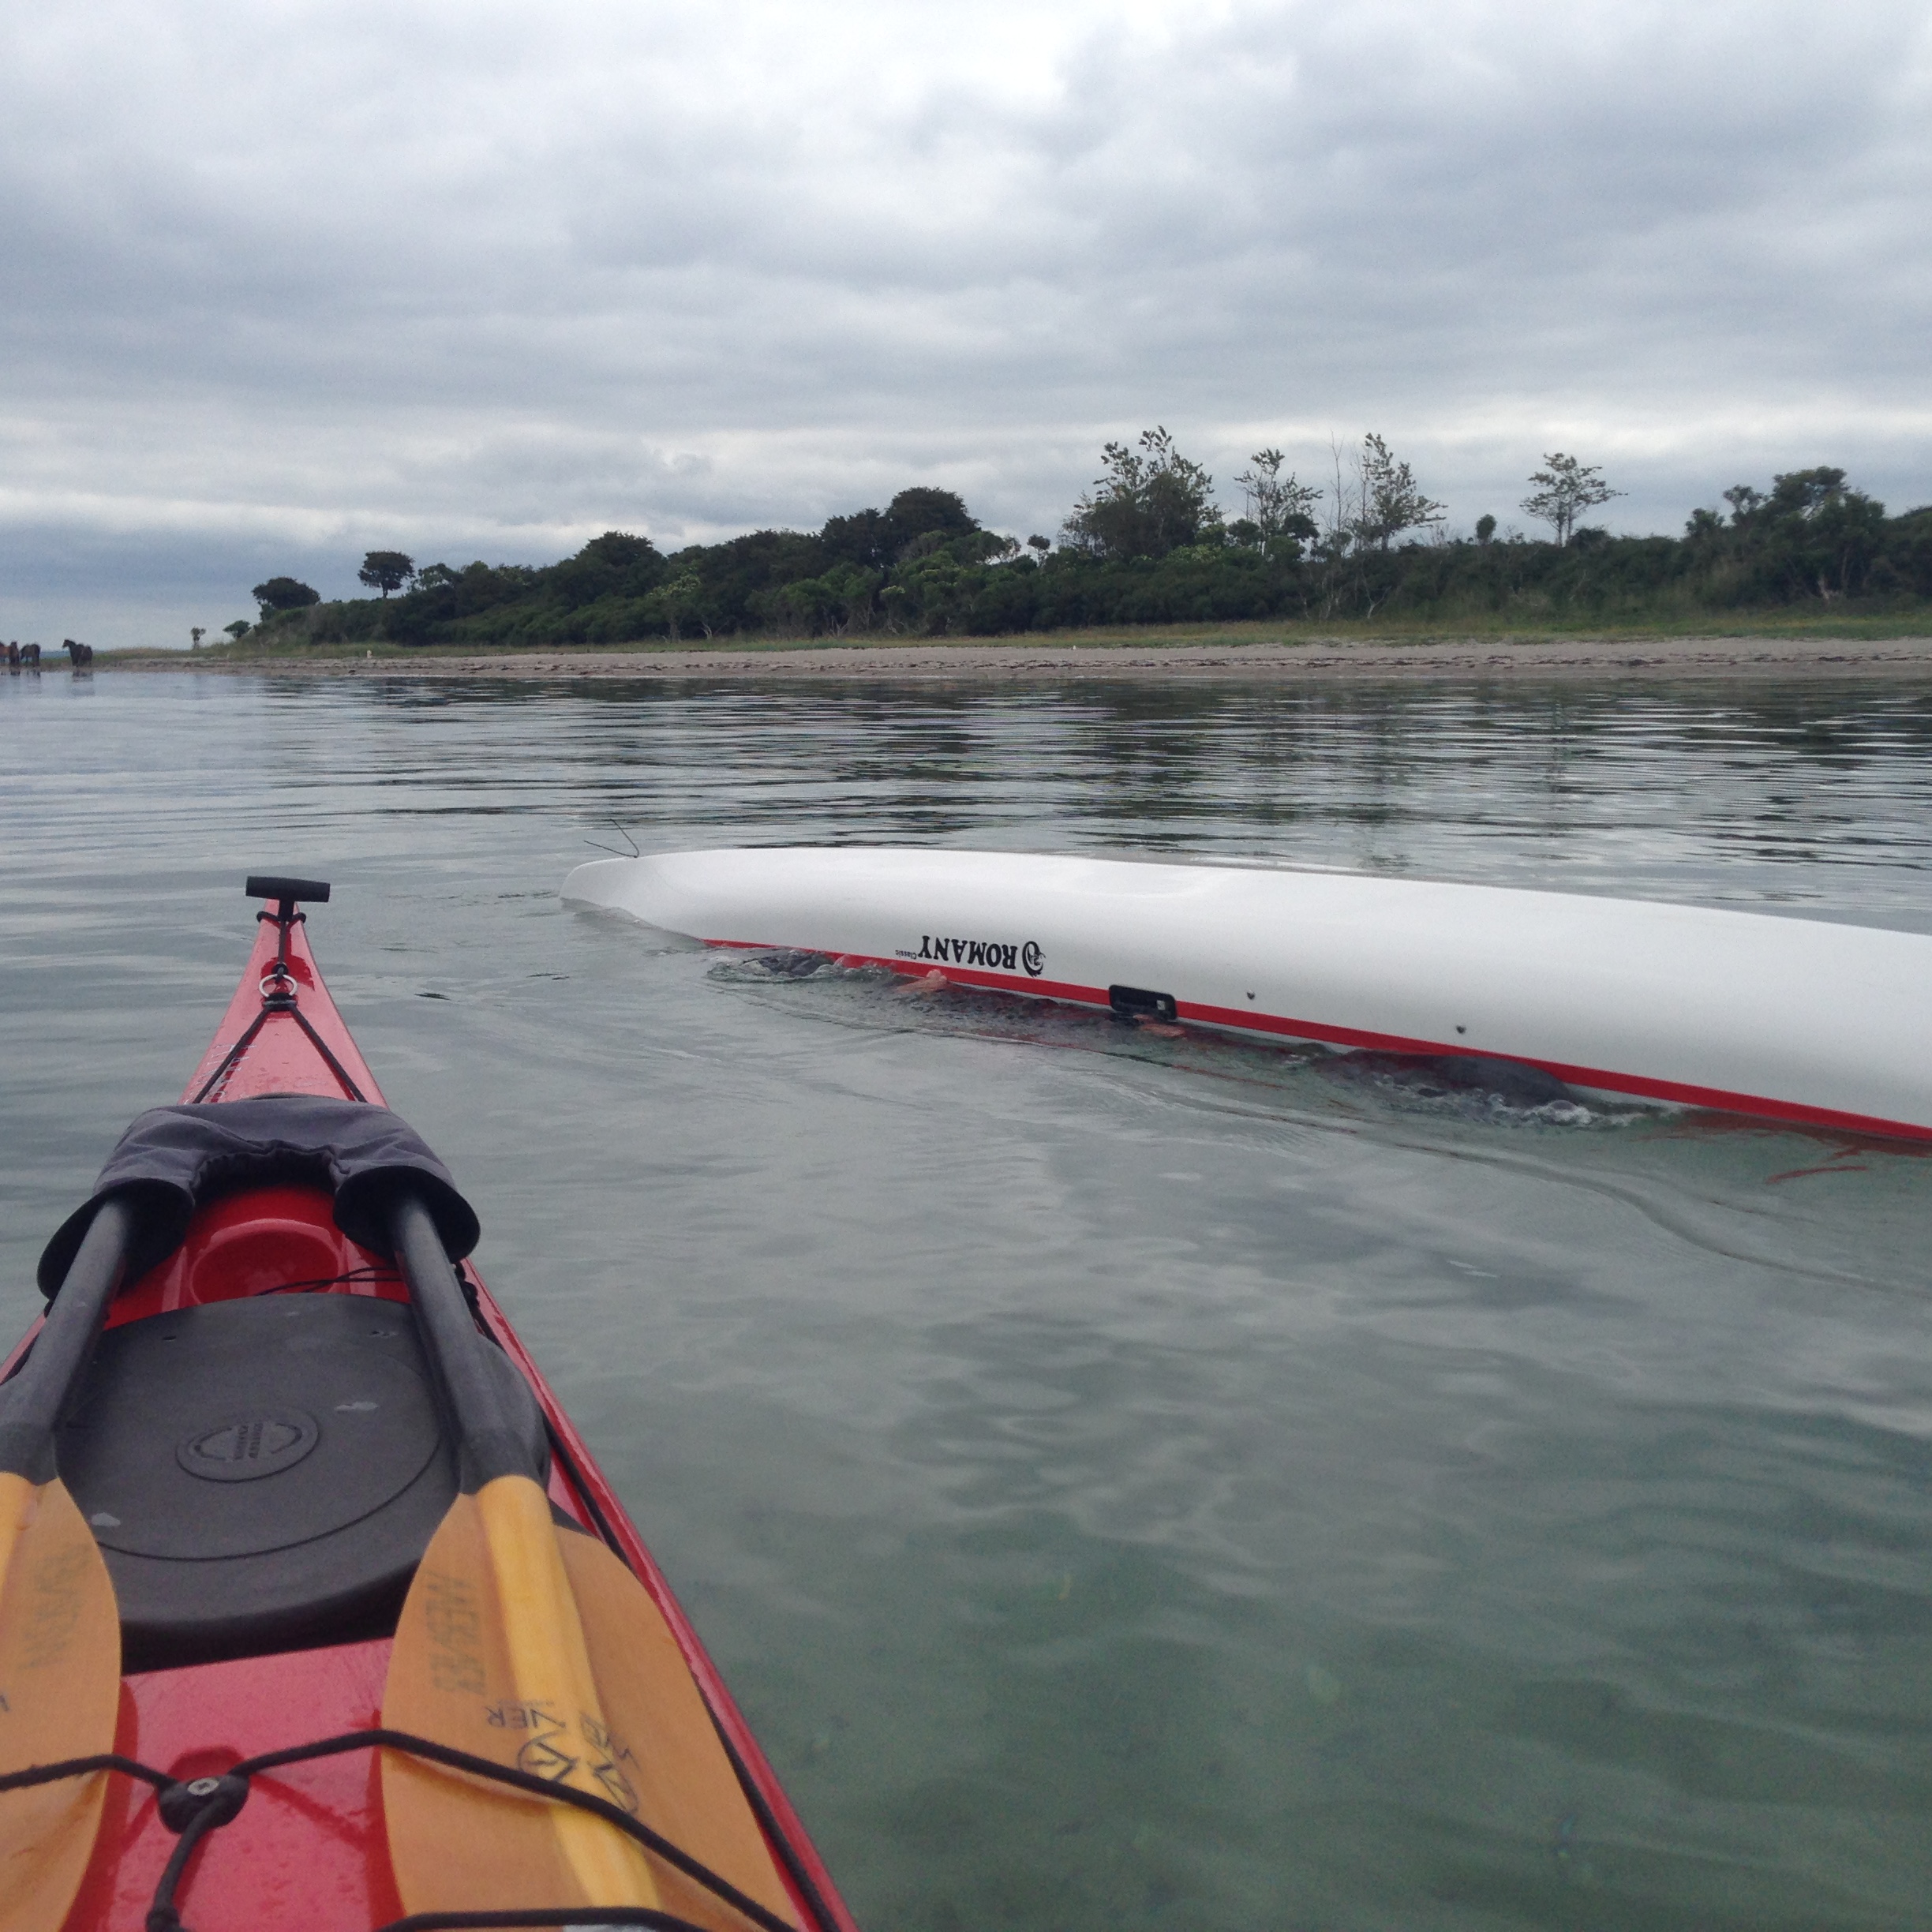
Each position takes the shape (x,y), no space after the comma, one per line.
(387,1643)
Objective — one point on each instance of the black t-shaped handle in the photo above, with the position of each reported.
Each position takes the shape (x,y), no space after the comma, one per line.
(286,892)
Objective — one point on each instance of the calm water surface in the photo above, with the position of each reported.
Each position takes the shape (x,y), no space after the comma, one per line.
(1127,1483)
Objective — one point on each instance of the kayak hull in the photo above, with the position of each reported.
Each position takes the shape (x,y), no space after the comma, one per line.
(1790,1020)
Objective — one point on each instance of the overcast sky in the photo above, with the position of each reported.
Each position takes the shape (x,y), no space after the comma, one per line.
(283,282)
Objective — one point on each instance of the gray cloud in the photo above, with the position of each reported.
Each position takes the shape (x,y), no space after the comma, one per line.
(284,283)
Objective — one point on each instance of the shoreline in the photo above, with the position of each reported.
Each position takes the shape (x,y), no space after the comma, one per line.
(1316,660)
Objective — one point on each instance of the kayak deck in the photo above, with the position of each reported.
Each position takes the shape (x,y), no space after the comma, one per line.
(308,1847)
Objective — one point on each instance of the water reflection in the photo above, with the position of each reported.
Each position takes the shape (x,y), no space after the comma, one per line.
(1130,1482)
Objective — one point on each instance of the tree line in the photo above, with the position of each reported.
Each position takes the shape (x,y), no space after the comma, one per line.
(1147,542)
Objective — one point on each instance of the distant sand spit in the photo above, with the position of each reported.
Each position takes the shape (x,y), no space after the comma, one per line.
(1005,660)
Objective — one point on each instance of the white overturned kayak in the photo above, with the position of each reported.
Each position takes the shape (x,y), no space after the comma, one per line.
(1830,1026)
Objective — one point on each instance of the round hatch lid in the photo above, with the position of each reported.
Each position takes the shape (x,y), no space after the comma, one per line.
(246,1427)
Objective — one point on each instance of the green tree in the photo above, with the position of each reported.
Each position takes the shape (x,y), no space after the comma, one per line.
(921,512)
(238,630)
(616,564)
(877,539)
(1906,563)
(676,603)
(1564,490)
(1149,502)
(839,601)
(1387,499)
(387,570)
(281,593)
(1818,536)
(1277,507)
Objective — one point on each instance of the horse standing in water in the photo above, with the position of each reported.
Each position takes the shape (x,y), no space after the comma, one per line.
(81,653)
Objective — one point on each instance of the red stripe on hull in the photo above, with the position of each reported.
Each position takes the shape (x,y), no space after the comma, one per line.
(1680,1093)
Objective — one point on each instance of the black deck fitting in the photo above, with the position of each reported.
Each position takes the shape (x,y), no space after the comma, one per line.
(285,891)
(1142,1003)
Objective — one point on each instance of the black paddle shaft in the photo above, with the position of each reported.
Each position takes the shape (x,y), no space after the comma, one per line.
(490,1441)
(31,1402)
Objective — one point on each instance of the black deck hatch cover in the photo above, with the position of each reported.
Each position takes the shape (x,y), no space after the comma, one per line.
(263,1474)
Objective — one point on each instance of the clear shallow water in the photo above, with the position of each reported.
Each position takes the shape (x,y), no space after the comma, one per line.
(1127,1483)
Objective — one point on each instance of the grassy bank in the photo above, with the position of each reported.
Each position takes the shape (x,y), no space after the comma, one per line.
(272,652)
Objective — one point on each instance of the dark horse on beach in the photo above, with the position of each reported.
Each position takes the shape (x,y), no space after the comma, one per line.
(81,653)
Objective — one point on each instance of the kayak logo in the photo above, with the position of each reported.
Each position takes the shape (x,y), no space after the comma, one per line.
(250,1446)
(554,1753)
(454,1625)
(544,1758)
(996,955)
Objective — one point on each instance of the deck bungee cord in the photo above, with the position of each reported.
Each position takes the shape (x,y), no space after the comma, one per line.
(278,985)
(197,1807)
(274,1452)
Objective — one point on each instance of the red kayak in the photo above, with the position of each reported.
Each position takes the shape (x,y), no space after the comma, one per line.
(315,1611)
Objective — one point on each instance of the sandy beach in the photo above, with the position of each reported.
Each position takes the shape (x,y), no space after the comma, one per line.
(1209,660)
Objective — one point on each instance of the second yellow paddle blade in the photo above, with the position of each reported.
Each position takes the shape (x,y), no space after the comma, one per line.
(60,1692)
(501,1598)
(684,1785)
(489,1658)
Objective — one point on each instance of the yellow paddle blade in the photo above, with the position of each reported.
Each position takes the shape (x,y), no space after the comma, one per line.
(489,1658)
(685,1785)
(60,1693)
(500,1599)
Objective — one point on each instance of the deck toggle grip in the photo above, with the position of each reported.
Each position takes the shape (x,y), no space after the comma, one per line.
(273,885)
